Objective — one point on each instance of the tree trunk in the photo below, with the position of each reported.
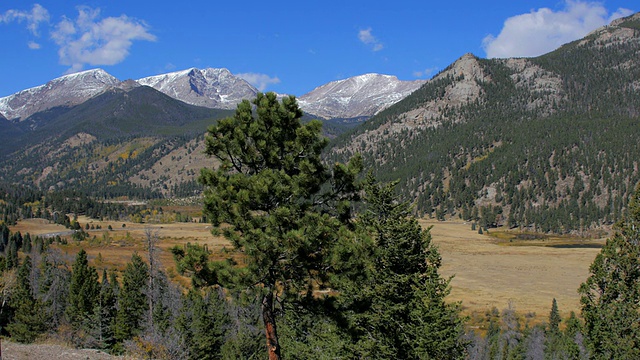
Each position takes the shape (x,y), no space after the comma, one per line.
(270,327)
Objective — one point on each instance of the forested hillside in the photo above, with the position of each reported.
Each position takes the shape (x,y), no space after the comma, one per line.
(102,147)
(547,143)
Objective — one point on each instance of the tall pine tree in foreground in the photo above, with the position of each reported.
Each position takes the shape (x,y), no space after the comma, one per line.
(284,207)
(611,294)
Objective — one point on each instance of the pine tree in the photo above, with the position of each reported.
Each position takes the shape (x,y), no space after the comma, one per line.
(554,338)
(611,295)
(26,247)
(396,310)
(104,314)
(208,324)
(282,203)
(132,300)
(83,291)
(574,343)
(29,318)
(12,254)
(554,318)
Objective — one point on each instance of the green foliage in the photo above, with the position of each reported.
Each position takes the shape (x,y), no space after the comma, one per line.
(282,203)
(312,332)
(30,320)
(611,295)
(104,313)
(193,259)
(132,300)
(396,308)
(554,318)
(207,320)
(83,291)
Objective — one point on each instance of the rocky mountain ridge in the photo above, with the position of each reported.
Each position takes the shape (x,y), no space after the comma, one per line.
(66,90)
(212,88)
(546,143)
(357,97)
(363,95)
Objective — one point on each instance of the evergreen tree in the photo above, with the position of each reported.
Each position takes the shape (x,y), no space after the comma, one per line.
(26,246)
(83,292)
(29,318)
(554,338)
(611,295)
(104,314)
(282,203)
(11,254)
(574,343)
(54,285)
(396,310)
(208,324)
(554,318)
(132,300)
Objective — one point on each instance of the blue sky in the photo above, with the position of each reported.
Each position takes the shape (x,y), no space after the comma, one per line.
(283,46)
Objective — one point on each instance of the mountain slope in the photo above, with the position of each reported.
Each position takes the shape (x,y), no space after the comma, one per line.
(212,88)
(546,143)
(358,96)
(131,110)
(103,146)
(67,90)
(116,112)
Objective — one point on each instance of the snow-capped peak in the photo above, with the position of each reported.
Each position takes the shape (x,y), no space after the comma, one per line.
(67,90)
(362,95)
(213,88)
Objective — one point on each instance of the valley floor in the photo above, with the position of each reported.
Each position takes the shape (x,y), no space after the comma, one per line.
(488,272)
(529,274)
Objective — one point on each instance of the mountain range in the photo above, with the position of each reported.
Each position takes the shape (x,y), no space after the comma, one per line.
(357,97)
(546,143)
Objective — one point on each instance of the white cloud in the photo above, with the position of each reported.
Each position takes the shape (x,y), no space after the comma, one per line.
(544,30)
(260,81)
(367,38)
(33,18)
(94,41)
(425,73)
(33,45)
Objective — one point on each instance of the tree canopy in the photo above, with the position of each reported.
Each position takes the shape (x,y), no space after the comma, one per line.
(611,295)
(284,207)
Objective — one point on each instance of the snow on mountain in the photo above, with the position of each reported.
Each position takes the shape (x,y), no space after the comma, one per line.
(363,95)
(67,90)
(213,88)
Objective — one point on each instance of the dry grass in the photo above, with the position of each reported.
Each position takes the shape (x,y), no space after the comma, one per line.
(113,248)
(489,271)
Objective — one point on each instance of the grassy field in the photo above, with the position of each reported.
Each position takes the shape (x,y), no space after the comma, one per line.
(489,270)
(113,248)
